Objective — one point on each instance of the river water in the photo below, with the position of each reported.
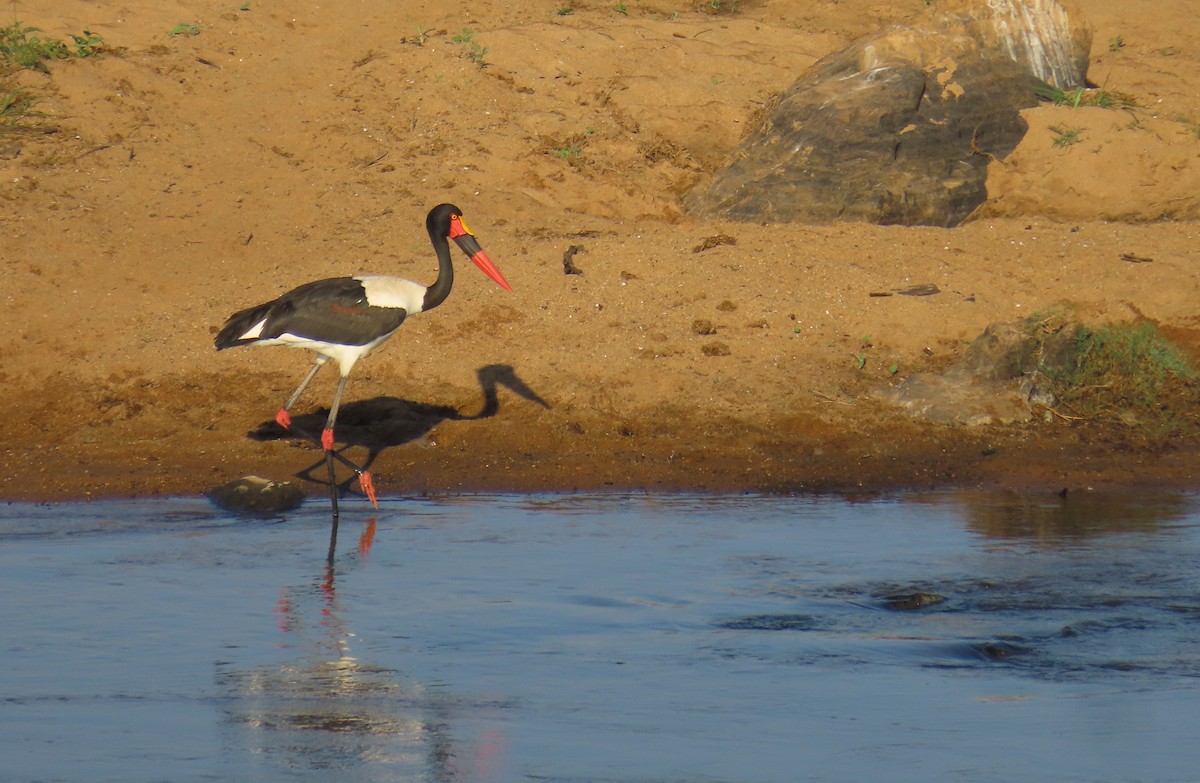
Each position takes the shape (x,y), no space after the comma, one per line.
(939,637)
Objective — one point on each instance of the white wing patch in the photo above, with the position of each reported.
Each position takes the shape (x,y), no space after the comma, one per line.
(254,331)
(387,291)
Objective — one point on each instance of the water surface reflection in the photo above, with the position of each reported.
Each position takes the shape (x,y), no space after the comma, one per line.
(327,711)
(920,637)
(1063,518)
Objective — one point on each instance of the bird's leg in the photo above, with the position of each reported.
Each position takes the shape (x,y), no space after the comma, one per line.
(364,476)
(368,486)
(283,418)
(327,433)
(333,490)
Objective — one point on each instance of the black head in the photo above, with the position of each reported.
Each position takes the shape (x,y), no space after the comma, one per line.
(437,223)
(445,222)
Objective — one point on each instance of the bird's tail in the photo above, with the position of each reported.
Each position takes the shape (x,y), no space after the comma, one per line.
(236,329)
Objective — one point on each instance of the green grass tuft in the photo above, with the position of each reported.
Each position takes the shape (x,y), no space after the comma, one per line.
(1104,99)
(1066,137)
(15,105)
(22,47)
(1128,372)
(185,28)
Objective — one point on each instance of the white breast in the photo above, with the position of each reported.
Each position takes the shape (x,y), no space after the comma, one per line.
(387,291)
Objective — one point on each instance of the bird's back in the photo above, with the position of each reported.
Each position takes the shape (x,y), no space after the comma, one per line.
(337,311)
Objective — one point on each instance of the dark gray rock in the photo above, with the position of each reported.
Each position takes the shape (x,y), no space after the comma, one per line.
(896,129)
(1000,379)
(899,127)
(1006,351)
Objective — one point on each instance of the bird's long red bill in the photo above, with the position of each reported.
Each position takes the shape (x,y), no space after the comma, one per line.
(465,240)
(482,261)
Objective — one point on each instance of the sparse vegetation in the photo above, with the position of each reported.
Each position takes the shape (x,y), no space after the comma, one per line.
(14,105)
(1191,126)
(22,47)
(1116,43)
(185,28)
(1128,373)
(860,359)
(1065,137)
(1082,96)
(476,53)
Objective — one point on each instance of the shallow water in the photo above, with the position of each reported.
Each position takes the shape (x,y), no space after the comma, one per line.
(563,638)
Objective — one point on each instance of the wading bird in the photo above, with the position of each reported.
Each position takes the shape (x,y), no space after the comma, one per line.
(345,318)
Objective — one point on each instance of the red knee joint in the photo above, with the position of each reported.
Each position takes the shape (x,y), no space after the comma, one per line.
(283,418)
(327,439)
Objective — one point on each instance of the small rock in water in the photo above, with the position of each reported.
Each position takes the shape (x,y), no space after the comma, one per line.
(908,601)
(257,495)
(999,651)
(770,622)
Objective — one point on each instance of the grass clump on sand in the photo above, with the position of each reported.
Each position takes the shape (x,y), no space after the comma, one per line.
(1083,96)
(15,104)
(1129,373)
(22,47)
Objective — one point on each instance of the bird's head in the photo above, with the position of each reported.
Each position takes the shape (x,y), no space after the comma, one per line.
(445,222)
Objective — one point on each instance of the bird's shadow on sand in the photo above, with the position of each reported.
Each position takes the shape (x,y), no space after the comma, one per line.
(385,422)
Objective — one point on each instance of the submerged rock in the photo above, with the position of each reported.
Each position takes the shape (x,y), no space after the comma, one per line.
(257,495)
(770,622)
(903,602)
(999,651)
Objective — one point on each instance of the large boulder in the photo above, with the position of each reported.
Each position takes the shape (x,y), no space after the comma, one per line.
(898,128)
(1048,38)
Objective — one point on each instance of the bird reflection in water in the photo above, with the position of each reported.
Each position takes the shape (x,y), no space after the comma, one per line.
(331,713)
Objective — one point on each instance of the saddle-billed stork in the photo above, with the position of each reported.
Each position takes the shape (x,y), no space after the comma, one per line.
(345,318)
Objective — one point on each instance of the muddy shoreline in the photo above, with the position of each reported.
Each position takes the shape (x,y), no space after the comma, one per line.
(155,444)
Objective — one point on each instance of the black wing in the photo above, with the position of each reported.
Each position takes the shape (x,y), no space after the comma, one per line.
(332,311)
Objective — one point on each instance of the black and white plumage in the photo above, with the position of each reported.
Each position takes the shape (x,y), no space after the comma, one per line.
(345,318)
(341,318)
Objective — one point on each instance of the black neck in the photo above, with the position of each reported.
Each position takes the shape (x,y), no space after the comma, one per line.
(437,293)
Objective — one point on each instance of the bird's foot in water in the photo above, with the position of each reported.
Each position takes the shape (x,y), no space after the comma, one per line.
(283,418)
(327,439)
(368,487)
